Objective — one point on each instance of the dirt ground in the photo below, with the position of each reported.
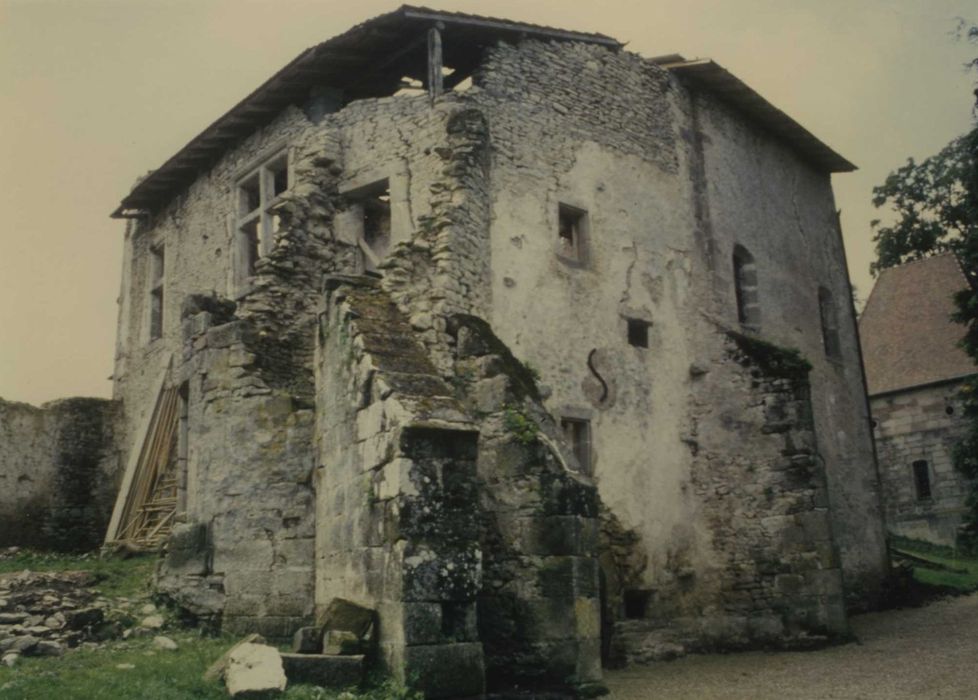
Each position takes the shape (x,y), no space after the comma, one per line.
(920,653)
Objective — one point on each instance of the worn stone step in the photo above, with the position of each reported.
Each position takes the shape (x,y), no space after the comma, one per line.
(327,670)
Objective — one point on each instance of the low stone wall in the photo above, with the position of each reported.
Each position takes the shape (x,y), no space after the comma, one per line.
(58,473)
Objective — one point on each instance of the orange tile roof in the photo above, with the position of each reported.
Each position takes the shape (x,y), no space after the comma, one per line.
(907,335)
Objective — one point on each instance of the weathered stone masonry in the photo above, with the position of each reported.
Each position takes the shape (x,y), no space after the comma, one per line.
(58,467)
(380,437)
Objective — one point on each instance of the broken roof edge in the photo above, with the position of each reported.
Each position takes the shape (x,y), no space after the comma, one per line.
(710,75)
(166,179)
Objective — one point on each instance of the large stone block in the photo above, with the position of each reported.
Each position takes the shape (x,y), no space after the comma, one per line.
(328,671)
(348,628)
(254,671)
(446,670)
(569,577)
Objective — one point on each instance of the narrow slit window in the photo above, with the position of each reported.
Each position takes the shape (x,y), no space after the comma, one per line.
(157,269)
(577,433)
(745,289)
(572,233)
(830,324)
(638,333)
(921,480)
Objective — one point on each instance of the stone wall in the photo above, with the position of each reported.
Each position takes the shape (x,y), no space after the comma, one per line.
(396,493)
(334,448)
(242,558)
(921,424)
(59,470)
(775,577)
(539,605)
(664,211)
(764,196)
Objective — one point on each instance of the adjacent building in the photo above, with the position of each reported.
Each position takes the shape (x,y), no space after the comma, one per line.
(914,371)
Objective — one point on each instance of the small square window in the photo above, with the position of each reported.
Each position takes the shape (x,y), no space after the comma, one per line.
(572,232)
(638,333)
(636,603)
(577,433)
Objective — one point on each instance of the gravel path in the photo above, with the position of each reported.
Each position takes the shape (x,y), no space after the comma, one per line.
(922,653)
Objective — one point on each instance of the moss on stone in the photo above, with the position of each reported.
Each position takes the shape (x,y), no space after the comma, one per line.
(772,360)
(522,380)
(520,425)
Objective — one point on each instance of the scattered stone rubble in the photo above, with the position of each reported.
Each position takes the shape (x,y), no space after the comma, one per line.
(46,614)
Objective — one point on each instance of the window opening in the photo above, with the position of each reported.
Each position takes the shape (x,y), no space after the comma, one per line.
(638,333)
(577,433)
(636,603)
(830,326)
(157,269)
(921,479)
(183,435)
(572,229)
(259,194)
(374,238)
(745,287)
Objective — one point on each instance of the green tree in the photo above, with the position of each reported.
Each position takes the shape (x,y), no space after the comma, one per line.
(934,205)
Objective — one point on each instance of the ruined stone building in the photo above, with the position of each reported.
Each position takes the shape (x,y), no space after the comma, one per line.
(540,348)
(914,371)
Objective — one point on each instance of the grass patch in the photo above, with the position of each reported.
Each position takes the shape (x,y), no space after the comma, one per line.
(937,566)
(94,673)
(117,577)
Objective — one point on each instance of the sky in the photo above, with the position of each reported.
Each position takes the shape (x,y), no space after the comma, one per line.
(94,93)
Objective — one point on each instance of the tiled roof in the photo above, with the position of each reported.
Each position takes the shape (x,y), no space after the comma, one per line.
(907,335)
(370,59)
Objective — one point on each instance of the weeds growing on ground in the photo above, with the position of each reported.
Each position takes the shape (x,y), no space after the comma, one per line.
(938,566)
(134,669)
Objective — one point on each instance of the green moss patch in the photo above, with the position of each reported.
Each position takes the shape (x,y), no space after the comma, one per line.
(772,360)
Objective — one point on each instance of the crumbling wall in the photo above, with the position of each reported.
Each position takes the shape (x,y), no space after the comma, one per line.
(773,578)
(762,194)
(396,492)
(58,473)
(439,262)
(539,604)
(197,229)
(921,424)
(242,558)
(652,257)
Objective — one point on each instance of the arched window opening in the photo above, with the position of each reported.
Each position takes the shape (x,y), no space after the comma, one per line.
(830,322)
